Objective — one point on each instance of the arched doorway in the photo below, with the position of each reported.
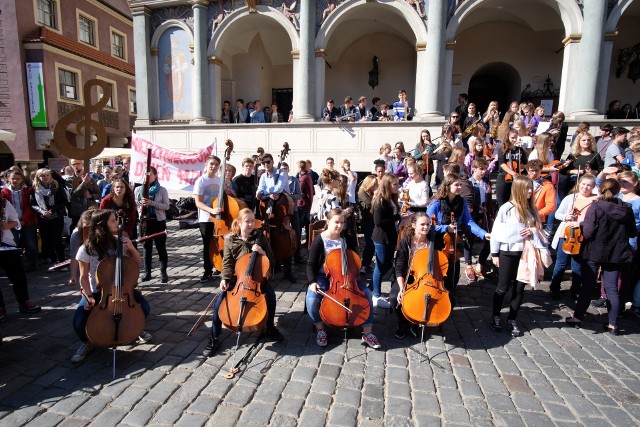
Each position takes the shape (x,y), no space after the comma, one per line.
(497,81)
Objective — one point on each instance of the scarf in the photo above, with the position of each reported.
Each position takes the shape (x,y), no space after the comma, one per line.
(46,199)
(153,190)
(447,207)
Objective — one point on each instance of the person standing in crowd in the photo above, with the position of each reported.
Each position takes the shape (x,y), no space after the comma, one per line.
(293,188)
(246,183)
(402,108)
(511,161)
(156,206)
(10,261)
(101,243)
(386,213)
(205,190)
(329,240)
(257,115)
(312,174)
(76,240)
(227,115)
(363,112)
(348,112)
(49,200)
(241,114)
(516,221)
(305,202)
(367,189)
(83,190)
(469,122)
(543,192)
(330,112)
(482,214)
(607,228)
(276,117)
(19,195)
(243,239)
(121,200)
(461,109)
(615,151)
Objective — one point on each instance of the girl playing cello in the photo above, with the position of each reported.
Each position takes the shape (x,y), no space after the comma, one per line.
(417,237)
(323,244)
(100,244)
(244,239)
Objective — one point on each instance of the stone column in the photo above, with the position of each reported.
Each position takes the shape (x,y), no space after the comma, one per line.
(215,89)
(434,76)
(142,44)
(200,91)
(320,82)
(447,78)
(604,72)
(586,77)
(569,59)
(304,105)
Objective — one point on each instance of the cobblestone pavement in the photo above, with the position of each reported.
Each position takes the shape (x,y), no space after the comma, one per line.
(471,375)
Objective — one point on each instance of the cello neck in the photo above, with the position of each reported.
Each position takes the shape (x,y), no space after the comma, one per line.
(345,260)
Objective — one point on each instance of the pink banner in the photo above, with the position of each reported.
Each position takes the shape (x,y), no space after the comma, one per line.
(176,171)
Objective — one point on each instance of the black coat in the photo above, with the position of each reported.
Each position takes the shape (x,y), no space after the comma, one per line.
(606,228)
(384,221)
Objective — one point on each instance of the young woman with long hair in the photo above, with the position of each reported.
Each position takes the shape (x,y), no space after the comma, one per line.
(330,185)
(49,200)
(243,239)
(386,213)
(584,159)
(511,161)
(447,202)
(516,221)
(322,245)
(101,243)
(571,212)
(367,189)
(418,236)
(19,194)
(607,228)
(120,198)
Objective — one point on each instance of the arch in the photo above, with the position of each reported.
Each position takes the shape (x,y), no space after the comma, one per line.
(570,14)
(496,81)
(616,14)
(237,15)
(350,7)
(157,34)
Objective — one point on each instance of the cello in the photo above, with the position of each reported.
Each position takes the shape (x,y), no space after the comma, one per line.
(344,305)
(222,222)
(117,319)
(451,240)
(277,213)
(425,300)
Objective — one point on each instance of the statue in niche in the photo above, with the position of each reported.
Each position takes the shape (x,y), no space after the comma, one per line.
(417,5)
(251,4)
(290,14)
(331,6)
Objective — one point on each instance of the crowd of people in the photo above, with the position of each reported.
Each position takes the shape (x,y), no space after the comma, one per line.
(619,111)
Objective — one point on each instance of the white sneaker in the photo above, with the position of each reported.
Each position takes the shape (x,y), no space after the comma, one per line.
(82,352)
(145,336)
(381,302)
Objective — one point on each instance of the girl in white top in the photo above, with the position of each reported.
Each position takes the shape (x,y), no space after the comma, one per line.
(352,179)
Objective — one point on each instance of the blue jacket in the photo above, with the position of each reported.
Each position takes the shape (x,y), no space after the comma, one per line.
(435,208)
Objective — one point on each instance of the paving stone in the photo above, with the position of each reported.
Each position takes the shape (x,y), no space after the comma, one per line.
(455,414)
(257,412)
(347,397)
(313,417)
(296,389)
(239,395)
(140,415)
(192,420)
(342,415)
(171,411)
(323,385)
(535,419)
(109,417)
(283,420)
(290,406)
(372,409)
(319,400)
(225,416)
(69,404)
(428,421)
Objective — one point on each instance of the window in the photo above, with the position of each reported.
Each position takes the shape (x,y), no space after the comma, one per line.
(86,30)
(117,45)
(109,104)
(133,106)
(46,13)
(68,84)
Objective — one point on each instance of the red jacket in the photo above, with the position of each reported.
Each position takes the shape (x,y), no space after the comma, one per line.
(306,186)
(29,216)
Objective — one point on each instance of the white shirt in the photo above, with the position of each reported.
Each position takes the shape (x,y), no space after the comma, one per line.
(208,188)
(418,193)
(10,215)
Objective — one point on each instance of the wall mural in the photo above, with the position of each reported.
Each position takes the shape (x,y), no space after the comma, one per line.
(175,69)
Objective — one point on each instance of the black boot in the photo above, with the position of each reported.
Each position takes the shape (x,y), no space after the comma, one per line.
(164,278)
(147,276)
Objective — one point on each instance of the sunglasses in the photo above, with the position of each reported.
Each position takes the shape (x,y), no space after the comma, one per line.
(267,162)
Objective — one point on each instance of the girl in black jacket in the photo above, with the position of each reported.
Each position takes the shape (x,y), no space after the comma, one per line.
(607,227)
(386,213)
(48,199)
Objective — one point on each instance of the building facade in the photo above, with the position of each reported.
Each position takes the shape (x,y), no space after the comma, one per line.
(51,48)
(192,55)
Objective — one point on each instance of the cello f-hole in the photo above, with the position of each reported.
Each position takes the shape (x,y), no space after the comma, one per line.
(427,297)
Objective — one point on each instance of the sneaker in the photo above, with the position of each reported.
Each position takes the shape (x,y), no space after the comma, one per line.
(381,302)
(145,336)
(513,327)
(205,277)
(496,324)
(215,272)
(211,347)
(275,334)
(471,274)
(479,269)
(29,307)
(321,338)
(400,334)
(82,352)
(600,302)
(3,313)
(371,340)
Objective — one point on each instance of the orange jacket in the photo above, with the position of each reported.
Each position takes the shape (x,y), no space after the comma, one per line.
(545,196)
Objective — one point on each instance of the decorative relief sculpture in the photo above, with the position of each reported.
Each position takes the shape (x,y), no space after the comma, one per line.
(290,14)
(178,13)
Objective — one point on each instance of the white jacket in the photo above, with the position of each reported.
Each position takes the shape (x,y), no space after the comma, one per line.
(505,235)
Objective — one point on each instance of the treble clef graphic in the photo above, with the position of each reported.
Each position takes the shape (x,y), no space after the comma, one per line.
(84,124)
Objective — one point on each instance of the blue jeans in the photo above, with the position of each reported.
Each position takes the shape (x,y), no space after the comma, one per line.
(562,260)
(81,315)
(384,262)
(313,299)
